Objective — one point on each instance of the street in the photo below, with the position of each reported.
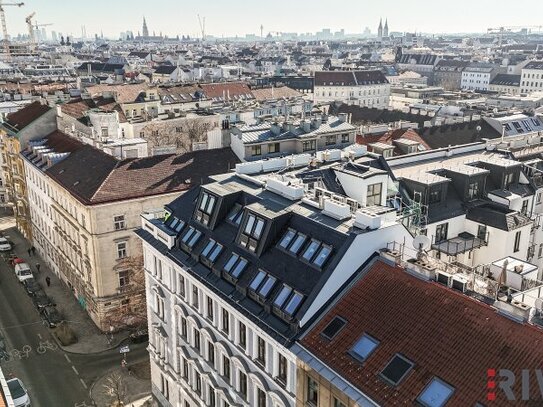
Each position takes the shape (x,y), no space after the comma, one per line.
(53,377)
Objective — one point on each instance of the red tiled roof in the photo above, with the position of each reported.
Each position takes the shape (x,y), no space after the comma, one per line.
(22,118)
(390,136)
(445,333)
(275,93)
(218,90)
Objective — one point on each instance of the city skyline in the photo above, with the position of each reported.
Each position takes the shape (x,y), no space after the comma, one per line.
(162,18)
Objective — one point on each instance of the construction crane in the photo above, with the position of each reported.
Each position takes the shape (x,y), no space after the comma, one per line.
(4,26)
(31,29)
(202,22)
(509,29)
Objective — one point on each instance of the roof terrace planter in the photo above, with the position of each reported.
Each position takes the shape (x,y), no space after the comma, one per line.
(462,243)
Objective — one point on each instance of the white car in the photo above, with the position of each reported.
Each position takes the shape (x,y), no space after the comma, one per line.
(23,272)
(18,393)
(5,246)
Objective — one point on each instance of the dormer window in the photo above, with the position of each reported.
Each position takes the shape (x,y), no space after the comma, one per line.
(262,284)
(287,302)
(473,190)
(434,196)
(211,251)
(191,237)
(252,231)
(235,266)
(175,224)
(205,208)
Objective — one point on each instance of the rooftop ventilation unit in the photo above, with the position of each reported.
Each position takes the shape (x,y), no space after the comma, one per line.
(290,188)
(336,210)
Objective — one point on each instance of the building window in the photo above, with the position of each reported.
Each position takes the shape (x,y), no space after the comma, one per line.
(310,145)
(121,250)
(205,208)
(374,194)
(211,353)
(345,138)
(198,383)
(195,297)
(226,370)
(260,397)
(338,403)
(197,340)
(211,251)
(243,385)
(441,232)
(330,140)
(434,196)
(273,148)
(252,231)
(242,336)
(165,387)
(119,223)
(212,399)
(261,351)
(185,369)
(210,314)
(225,322)
(538,198)
(181,286)
(524,209)
(312,392)
(256,150)
(124,278)
(262,284)
(473,190)
(436,393)
(517,242)
(282,369)
(481,232)
(183,328)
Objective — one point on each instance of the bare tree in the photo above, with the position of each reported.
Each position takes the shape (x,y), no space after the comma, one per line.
(133,314)
(115,388)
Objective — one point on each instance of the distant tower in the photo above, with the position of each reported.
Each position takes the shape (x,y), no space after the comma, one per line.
(385,32)
(261,31)
(145,30)
(380,30)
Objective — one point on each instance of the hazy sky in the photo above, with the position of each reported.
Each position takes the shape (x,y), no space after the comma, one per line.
(231,17)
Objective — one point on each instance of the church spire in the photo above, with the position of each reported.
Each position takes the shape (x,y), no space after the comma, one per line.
(385,31)
(145,30)
(380,30)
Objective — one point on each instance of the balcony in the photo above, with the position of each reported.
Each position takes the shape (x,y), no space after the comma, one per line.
(159,231)
(464,242)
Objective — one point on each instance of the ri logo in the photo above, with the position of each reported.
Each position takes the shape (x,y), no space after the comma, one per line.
(503,382)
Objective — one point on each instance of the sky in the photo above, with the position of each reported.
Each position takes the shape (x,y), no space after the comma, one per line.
(239,17)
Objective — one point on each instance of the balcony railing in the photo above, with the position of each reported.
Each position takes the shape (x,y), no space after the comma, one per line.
(462,243)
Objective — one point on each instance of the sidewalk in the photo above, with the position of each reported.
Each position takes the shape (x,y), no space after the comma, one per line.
(133,389)
(89,338)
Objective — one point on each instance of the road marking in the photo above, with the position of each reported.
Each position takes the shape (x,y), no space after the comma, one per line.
(39,336)
(83,383)
(75,370)
(67,358)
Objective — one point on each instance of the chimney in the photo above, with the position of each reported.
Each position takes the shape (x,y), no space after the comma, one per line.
(275,128)
(316,122)
(305,125)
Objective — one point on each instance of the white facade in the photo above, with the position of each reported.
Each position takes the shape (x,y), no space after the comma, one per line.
(375,96)
(195,335)
(531,80)
(475,80)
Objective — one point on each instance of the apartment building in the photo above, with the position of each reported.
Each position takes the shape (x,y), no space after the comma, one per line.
(431,341)
(477,76)
(238,267)
(362,88)
(448,74)
(506,83)
(274,139)
(84,205)
(532,77)
(29,123)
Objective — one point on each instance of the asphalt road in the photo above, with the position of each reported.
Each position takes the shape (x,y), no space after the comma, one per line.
(53,377)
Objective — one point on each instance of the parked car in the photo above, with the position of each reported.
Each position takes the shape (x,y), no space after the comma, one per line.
(41,300)
(51,315)
(18,393)
(31,286)
(23,272)
(139,336)
(5,246)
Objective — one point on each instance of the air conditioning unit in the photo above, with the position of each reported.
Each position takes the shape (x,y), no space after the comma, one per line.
(459,283)
(444,278)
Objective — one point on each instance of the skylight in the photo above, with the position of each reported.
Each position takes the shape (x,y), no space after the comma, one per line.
(191,236)
(436,393)
(311,250)
(212,250)
(262,284)
(287,301)
(175,224)
(235,214)
(315,252)
(397,369)
(287,238)
(323,254)
(235,265)
(364,347)
(333,328)
(298,242)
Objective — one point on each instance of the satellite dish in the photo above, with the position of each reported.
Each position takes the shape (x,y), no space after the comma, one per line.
(421,242)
